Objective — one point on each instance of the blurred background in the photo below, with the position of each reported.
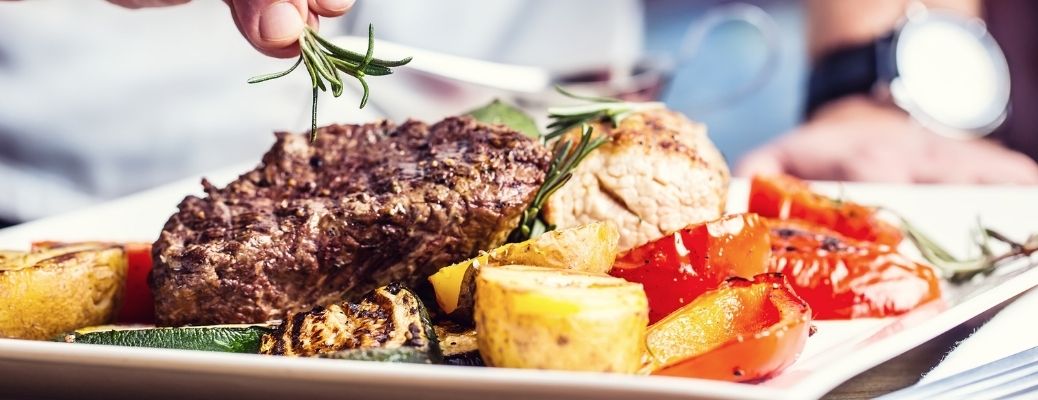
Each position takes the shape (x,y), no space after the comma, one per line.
(99,101)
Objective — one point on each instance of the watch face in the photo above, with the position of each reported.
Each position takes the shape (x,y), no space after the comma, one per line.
(950,73)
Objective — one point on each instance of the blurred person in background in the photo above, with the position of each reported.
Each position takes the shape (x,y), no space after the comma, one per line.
(99,101)
(859,136)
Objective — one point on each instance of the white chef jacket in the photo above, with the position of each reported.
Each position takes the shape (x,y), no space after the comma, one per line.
(97,101)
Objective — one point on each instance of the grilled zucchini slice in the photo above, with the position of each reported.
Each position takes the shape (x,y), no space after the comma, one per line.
(390,317)
(410,355)
(228,339)
(459,345)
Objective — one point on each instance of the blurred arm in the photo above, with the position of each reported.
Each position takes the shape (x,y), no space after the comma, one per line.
(858,138)
(835,23)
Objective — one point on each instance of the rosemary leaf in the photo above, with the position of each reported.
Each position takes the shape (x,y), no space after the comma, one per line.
(313,118)
(371,69)
(371,47)
(961,270)
(351,55)
(267,77)
(325,61)
(595,99)
(567,154)
(314,80)
(364,97)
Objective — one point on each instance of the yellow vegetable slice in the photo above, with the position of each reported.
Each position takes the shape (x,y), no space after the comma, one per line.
(590,247)
(545,318)
(47,292)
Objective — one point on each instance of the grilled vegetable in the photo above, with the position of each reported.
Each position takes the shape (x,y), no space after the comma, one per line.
(742,331)
(390,317)
(228,338)
(138,304)
(411,355)
(679,267)
(545,318)
(785,197)
(845,278)
(590,247)
(47,292)
(459,345)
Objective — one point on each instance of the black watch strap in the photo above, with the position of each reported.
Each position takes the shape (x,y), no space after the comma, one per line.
(847,71)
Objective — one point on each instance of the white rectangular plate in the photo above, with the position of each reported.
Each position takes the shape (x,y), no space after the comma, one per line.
(839,350)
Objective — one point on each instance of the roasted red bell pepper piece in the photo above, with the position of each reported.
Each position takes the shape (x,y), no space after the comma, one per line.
(742,331)
(138,302)
(679,267)
(845,278)
(785,197)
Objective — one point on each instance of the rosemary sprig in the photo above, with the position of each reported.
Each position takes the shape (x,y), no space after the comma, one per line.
(567,153)
(559,172)
(962,270)
(324,61)
(599,108)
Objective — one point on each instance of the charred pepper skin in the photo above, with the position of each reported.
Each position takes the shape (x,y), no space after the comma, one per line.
(745,330)
(679,267)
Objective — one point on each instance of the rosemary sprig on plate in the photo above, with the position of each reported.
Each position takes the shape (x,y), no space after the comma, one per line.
(962,270)
(567,153)
(324,61)
(559,172)
(566,118)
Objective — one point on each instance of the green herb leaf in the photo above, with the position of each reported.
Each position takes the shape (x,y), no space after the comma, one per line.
(613,110)
(324,60)
(567,154)
(962,270)
(498,112)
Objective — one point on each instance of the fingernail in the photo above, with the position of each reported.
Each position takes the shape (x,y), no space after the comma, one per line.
(336,5)
(280,21)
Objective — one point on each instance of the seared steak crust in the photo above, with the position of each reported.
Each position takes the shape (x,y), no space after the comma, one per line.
(364,205)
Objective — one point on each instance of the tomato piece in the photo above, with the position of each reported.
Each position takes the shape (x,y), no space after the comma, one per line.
(785,197)
(845,278)
(742,331)
(138,303)
(679,267)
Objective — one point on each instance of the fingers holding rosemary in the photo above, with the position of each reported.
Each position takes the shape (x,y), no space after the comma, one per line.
(274,26)
(330,8)
(329,65)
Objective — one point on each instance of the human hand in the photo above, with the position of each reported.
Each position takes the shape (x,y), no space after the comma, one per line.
(271,26)
(859,139)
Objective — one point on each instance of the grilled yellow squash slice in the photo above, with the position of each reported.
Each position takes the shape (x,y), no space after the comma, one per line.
(544,318)
(47,292)
(590,248)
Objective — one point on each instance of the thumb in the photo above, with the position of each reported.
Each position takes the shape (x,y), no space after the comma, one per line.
(271,26)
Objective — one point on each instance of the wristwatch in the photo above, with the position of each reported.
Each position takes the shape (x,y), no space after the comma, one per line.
(944,70)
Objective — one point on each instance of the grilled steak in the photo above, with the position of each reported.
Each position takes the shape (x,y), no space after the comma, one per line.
(364,205)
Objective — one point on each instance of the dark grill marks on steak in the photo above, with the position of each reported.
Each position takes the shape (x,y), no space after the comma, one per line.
(364,205)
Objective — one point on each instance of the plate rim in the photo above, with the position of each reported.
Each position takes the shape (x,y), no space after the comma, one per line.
(812,385)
